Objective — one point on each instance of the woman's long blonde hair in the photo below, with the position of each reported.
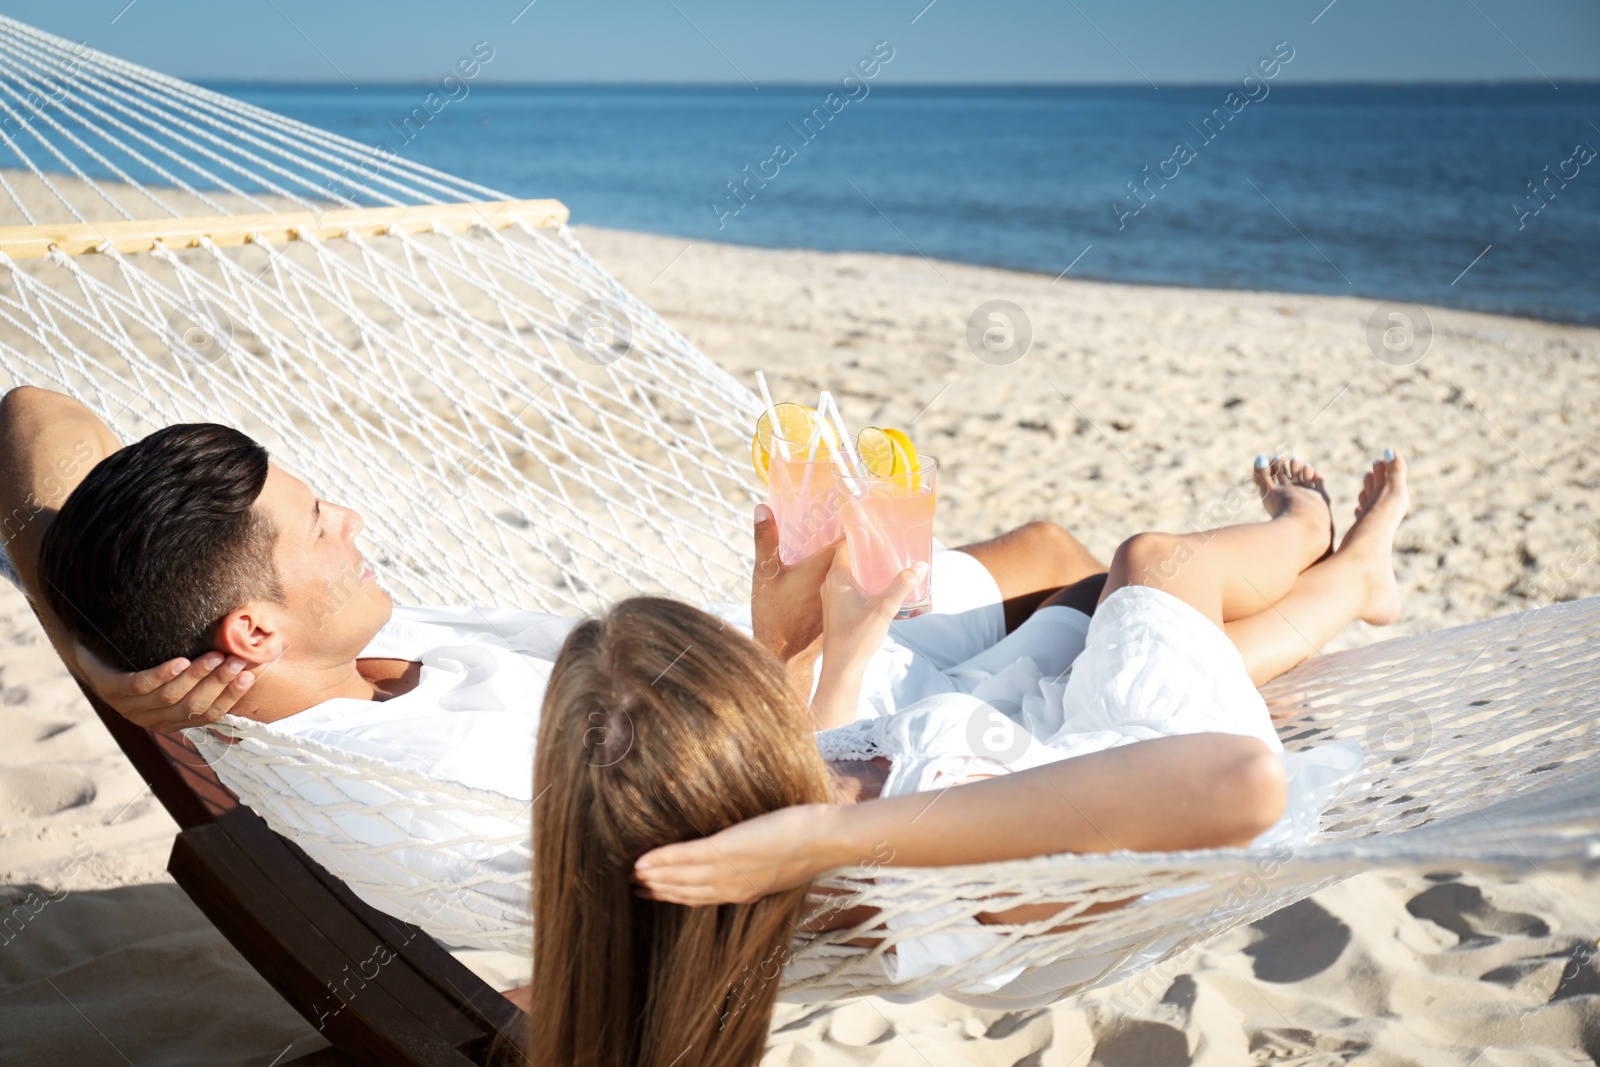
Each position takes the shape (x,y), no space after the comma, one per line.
(660,724)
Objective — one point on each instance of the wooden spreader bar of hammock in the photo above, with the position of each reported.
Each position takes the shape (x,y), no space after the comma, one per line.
(141,235)
(380,990)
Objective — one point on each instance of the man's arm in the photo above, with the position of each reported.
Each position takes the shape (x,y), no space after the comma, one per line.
(48,444)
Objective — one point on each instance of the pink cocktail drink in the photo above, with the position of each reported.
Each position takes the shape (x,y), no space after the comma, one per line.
(805,499)
(888,523)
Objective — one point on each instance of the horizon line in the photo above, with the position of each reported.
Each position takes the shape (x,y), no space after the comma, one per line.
(406,83)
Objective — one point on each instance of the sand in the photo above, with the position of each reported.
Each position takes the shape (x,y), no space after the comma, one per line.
(1133,408)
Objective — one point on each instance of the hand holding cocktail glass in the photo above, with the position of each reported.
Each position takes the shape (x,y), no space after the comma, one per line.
(888,525)
(854,619)
(873,488)
(785,598)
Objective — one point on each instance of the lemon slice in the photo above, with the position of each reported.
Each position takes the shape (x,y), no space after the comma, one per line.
(760,459)
(796,423)
(906,455)
(877,451)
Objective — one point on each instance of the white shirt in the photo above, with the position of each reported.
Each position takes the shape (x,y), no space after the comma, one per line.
(474,713)
(472,719)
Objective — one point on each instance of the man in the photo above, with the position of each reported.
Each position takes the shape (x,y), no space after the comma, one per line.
(186,576)
(244,588)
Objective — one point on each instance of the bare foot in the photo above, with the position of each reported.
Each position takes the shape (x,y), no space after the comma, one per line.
(1383,503)
(1291,489)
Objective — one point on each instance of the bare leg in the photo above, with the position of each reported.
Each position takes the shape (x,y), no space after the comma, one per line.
(1031,563)
(1356,582)
(1300,473)
(1236,571)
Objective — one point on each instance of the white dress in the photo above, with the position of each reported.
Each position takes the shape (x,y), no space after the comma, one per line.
(1151,666)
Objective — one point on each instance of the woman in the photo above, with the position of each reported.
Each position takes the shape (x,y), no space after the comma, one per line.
(676,767)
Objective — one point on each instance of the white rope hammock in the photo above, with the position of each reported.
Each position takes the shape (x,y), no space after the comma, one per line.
(520,431)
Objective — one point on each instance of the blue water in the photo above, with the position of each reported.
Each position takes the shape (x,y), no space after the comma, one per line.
(1381,191)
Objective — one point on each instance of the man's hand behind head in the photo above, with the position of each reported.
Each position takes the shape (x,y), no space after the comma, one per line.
(174,695)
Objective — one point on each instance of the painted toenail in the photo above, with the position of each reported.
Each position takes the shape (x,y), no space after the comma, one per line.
(1261,463)
(1388,455)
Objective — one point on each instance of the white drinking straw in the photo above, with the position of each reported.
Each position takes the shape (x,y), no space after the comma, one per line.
(847,443)
(830,409)
(772,413)
(811,457)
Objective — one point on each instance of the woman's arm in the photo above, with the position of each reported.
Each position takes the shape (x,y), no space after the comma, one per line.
(838,692)
(1168,794)
(853,626)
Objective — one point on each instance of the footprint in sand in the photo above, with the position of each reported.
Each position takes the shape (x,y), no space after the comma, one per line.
(1299,941)
(1581,976)
(1146,1042)
(45,731)
(36,791)
(1136,1043)
(1462,910)
(1292,1045)
(1538,977)
(135,809)
(858,1025)
(1013,1022)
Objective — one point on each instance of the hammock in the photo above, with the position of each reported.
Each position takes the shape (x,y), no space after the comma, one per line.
(518,430)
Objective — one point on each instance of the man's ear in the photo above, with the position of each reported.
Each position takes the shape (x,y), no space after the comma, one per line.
(252,633)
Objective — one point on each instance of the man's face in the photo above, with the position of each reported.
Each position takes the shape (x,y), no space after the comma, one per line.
(332,602)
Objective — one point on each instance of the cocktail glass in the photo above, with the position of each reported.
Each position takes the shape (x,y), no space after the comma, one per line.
(888,523)
(804,495)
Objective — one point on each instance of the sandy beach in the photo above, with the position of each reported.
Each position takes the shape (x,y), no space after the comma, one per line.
(1132,408)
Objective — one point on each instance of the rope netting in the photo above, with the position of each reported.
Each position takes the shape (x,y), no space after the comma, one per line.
(147,145)
(493,462)
(515,427)
(518,430)
(1481,745)
(1480,741)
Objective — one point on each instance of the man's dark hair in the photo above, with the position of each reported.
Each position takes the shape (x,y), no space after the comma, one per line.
(158,543)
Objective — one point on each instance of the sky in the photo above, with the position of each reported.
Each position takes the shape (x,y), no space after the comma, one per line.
(750,42)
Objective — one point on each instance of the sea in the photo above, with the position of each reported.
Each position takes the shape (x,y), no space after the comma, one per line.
(1471,196)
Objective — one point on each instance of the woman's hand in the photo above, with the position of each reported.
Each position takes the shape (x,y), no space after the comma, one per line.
(853,622)
(749,860)
(174,695)
(853,626)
